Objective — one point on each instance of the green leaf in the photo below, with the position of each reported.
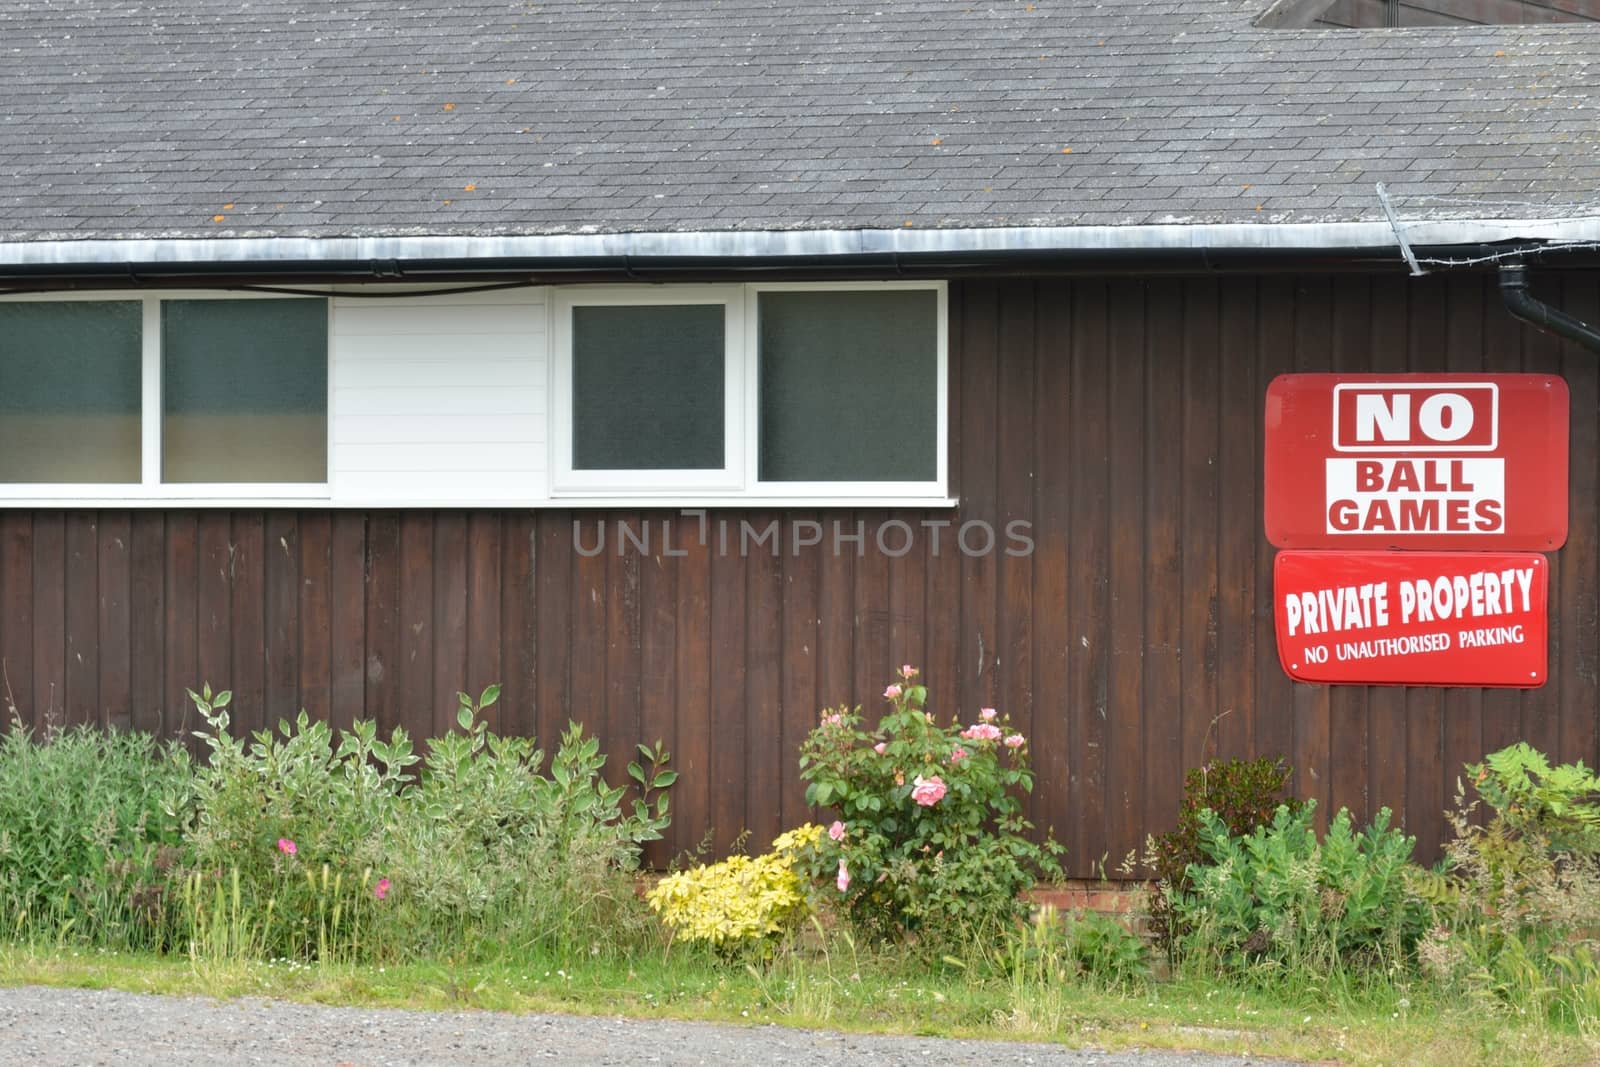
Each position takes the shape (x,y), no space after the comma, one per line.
(490,695)
(464,716)
(664,779)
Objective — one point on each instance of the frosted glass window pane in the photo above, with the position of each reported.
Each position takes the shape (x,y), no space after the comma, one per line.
(849,386)
(244,391)
(648,387)
(69,391)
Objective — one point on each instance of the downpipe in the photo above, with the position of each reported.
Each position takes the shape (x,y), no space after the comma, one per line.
(1523,305)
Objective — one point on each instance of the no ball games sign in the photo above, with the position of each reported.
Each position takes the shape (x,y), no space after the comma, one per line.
(1439,461)
(1412,618)
(1412,510)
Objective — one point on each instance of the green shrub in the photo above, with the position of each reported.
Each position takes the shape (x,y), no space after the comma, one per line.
(1515,905)
(91,826)
(1559,804)
(299,819)
(487,850)
(1243,794)
(1280,898)
(310,846)
(741,902)
(930,836)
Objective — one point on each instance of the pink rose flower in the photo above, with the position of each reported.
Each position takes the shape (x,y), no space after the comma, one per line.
(880,748)
(892,692)
(836,831)
(986,714)
(286,846)
(832,720)
(1016,741)
(983,731)
(381,890)
(907,671)
(958,755)
(928,791)
(843,881)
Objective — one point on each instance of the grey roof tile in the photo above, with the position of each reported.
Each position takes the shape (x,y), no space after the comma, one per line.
(123,118)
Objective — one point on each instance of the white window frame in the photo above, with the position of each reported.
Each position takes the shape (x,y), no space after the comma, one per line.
(870,490)
(740,481)
(564,478)
(150,488)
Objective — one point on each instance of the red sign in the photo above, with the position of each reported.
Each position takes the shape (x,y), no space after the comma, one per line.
(1427,461)
(1412,618)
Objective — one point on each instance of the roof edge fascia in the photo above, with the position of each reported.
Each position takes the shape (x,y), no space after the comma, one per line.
(734,245)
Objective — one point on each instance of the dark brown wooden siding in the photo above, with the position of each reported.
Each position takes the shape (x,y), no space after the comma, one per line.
(1122,419)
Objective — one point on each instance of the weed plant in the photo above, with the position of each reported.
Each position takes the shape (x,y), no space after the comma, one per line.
(1516,902)
(1244,794)
(91,827)
(1281,901)
(1044,960)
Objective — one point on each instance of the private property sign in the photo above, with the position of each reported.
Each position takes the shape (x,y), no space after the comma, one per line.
(1423,461)
(1412,618)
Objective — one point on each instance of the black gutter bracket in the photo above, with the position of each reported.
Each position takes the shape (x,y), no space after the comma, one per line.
(1522,305)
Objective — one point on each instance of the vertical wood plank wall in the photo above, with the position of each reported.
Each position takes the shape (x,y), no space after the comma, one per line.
(1121,419)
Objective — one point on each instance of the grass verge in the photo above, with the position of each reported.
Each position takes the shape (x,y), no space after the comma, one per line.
(857,993)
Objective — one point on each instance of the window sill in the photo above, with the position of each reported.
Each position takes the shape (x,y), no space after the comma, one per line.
(229,496)
(708,502)
(323,500)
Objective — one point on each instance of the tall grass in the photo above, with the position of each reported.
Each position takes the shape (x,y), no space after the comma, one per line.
(91,826)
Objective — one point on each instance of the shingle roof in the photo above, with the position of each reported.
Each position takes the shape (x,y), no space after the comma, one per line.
(204,118)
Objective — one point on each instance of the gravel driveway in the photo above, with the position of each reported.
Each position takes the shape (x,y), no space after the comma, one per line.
(76,1026)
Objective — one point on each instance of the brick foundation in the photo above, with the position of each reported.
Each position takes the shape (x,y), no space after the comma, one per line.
(1083,894)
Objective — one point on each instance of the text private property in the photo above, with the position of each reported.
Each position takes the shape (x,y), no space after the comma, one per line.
(1480,594)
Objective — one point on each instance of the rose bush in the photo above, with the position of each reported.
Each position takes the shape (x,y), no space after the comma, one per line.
(930,836)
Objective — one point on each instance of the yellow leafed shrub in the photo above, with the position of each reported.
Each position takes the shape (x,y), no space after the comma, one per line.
(743,899)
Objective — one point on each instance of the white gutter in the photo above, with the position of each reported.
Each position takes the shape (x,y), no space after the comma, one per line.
(735,245)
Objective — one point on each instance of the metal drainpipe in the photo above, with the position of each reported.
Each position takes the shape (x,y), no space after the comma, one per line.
(1522,305)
